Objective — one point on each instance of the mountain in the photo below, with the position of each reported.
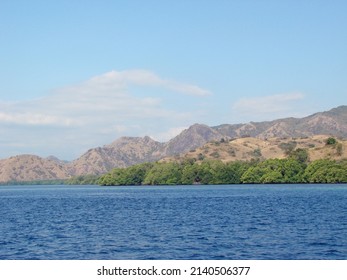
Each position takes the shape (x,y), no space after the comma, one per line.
(191,138)
(123,152)
(30,168)
(250,148)
(127,151)
(333,122)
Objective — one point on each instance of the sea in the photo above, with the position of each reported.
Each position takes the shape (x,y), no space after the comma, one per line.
(218,222)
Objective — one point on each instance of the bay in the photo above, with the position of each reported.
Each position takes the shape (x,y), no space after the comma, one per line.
(174,222)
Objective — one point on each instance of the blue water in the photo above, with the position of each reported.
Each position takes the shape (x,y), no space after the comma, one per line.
(180,222)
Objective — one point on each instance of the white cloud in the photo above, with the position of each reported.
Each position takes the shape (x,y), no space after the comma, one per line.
(34,119)
(169,134)
(74,118)
(269,107)
(119,80)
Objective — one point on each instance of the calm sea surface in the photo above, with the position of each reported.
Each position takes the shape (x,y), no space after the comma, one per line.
(178,222)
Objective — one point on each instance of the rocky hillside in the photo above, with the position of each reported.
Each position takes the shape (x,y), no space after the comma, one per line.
(128,151)
(123,152)
(191,138)
(250,148)
(333,122)
(30,168)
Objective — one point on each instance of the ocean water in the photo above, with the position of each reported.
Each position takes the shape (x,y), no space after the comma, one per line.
(174,222)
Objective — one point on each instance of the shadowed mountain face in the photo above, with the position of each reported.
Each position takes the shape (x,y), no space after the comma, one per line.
(191,138)
(127,151)
(123,152)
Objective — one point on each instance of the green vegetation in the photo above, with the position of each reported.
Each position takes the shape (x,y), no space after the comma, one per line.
(83,180)
(339,149)
(256,153)
(331,141)
(274,171)
(300,155)
(133,175)
(293,169)
(288,147)
(326,171)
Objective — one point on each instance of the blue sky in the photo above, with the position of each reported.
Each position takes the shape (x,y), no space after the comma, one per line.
(78,74)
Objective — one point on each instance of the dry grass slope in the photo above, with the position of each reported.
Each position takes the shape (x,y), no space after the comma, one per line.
(250,148)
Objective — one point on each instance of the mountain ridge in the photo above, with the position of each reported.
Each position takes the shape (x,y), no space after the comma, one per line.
(126,151)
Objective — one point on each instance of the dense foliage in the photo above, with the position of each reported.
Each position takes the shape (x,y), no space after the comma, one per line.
(83,180)
(294,169)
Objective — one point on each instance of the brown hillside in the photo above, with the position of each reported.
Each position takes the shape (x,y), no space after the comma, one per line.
(30,168)
(250,148)
(254,140)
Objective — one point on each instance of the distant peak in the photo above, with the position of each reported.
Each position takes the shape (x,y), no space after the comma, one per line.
(147,138)
(54,158)
(342,108)
(199,125)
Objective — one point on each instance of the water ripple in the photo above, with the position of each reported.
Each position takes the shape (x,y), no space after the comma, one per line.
(183,222)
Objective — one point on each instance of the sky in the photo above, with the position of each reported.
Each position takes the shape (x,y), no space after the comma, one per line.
(79,74)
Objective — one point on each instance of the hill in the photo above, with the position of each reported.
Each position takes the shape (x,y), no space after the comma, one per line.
(127,151)
(226,142)
(250,148)
(333,122)
(31,168)
(123,152)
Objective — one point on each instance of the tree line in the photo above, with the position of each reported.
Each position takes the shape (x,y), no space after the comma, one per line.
(295,169)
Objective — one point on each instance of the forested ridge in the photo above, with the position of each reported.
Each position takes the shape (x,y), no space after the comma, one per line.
(257,141)
(273,171)
(295,168)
